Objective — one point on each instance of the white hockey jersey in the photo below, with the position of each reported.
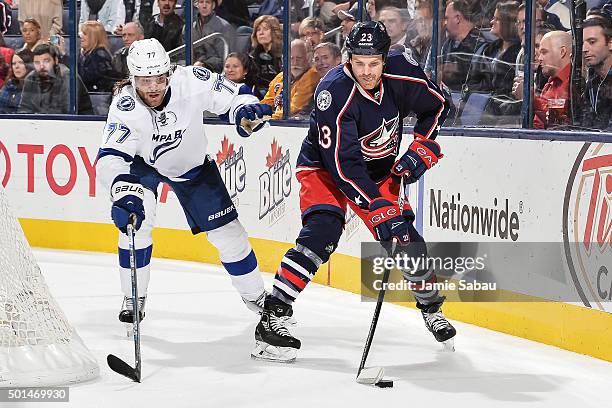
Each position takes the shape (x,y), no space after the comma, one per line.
(172,139)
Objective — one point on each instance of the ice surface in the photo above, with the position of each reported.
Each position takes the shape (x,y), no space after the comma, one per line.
(198,334)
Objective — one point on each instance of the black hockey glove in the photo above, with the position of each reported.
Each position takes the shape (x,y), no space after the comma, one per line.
(127,194)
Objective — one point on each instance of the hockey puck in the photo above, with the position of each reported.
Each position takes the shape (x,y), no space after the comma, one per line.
(384,384)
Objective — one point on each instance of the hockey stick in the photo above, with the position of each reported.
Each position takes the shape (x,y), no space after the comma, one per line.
(114,362)
(374,375)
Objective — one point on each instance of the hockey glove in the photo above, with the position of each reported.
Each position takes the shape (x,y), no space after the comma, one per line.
(420,156)
(251,118)
(127,194)
(387,221)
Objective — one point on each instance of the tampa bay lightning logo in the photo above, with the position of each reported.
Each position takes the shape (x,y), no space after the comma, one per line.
(126,103)
(168,142)
(382,141)
(201,73)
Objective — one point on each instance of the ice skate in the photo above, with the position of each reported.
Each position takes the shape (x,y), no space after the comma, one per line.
(126,315)
(256,306)
(272,338)
(436,323)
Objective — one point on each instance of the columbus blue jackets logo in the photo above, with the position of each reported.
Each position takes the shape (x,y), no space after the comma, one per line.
(201,73)
(382,141)
(324,100)
(126,103)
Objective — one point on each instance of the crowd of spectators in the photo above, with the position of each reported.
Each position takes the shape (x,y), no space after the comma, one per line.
(480,62)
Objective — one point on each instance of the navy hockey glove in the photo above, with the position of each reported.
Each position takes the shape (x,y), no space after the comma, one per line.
(387,221)
(251,118)
(422,155)
(127,194)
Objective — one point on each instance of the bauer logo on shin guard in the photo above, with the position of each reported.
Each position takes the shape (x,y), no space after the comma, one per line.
(220,214)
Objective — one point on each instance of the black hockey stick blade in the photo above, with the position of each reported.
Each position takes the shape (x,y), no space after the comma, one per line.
(121,367)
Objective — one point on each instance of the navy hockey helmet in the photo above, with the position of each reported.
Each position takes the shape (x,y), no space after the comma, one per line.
(368,38)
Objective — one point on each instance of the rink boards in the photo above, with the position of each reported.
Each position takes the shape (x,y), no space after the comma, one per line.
(535,191)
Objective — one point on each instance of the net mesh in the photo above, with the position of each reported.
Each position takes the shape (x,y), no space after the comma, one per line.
(28,314)
(37,344)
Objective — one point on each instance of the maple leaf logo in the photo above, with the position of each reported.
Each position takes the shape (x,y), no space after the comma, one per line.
(275,156)
(227,149)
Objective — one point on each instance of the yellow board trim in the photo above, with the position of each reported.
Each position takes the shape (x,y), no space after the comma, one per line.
(578,329)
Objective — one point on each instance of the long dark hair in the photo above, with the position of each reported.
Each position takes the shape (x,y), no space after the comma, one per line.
(27,57)
(249,65)
(508,12)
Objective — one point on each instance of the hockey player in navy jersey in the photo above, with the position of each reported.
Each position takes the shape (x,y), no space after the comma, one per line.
(349,157)
(154,133)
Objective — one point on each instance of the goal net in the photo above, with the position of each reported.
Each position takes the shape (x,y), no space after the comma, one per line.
(38,347)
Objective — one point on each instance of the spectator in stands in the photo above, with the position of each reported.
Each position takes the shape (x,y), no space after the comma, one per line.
(110,13)
(212,50)
(544,17)
(348,20)
(235,12)
(539,78)
(166,27)
(419,46)
(326,56)
(267,49)
(46,88)
(324,10)
(597,50)
(47,13)
(396,22)
(95,61)
(4,70)
(463,41)
(6,55)
(304,80)
(311,30)
(239,67)
(10,95)
(30,31)
(493,72)
(131,32)
(558,9)
(551,107)
(6,20)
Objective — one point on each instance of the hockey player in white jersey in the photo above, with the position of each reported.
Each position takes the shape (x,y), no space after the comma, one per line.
(154,133)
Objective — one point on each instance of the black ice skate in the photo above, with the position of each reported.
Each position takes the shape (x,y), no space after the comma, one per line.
(126,315)
(437,324)
(272,338)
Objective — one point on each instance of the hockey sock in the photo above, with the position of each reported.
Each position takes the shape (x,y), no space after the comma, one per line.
(143,260)
(294,273)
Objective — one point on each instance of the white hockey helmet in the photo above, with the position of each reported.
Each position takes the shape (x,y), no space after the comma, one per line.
(147,58)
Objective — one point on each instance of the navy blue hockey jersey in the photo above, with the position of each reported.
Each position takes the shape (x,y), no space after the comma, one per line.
(356,136)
